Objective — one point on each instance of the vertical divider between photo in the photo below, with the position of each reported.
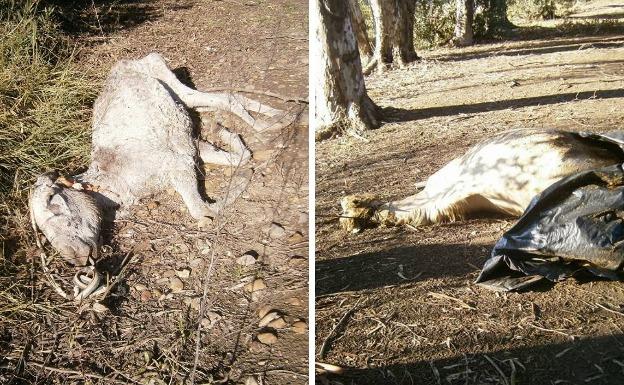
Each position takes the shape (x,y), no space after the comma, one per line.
(311,211)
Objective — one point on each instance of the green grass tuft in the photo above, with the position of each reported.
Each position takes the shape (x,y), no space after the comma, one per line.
(44,105)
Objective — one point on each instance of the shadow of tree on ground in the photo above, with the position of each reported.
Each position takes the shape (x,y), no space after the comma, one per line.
(393,114)
(597,361)
(397,266)
(101,17)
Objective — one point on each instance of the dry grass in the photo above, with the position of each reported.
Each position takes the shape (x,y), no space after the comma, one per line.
(43,125)
(43,99)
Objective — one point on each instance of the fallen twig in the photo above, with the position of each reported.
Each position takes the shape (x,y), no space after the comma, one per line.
(459,301)
(572,337)
(498,369)
(436,373)
(324,346)
(609,310)
(79,373)
(357,136)
(328,368)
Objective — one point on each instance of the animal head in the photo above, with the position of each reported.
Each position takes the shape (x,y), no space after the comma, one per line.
(358,211)
(69,218)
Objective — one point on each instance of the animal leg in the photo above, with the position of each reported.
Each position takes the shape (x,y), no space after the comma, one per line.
(239,155)
(237,104)
(185,183)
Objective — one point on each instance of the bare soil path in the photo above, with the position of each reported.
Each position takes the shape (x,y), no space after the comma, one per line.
(414,315)
(149,334)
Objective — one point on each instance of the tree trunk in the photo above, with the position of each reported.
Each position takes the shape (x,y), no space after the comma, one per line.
(340,101)
(463,35)
(359,26)
(496,17)
(404,34)
(394,33)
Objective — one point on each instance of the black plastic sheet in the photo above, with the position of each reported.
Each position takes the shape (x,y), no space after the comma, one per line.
(574,226)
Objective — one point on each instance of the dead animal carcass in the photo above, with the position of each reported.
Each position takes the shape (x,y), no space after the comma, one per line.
(142,143)
(499,175)
(572,183)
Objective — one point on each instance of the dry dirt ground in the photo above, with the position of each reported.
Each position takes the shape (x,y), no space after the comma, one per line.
(398,306)
(149,333)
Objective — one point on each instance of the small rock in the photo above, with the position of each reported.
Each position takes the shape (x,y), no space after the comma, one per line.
(148,356)
(297,261)
(100,308)
(257,347)
(213,316)
(152,205)
(169,273)
(303,218)
(204,222)
(264,310)
(157,293)
(146,296)
(294,301)
(268,318)
(251,380)
(176,285)
(277,323)
(267,338)
(257,296)
(144,246)
(196,262)
(246,260)
(299,327)
(276,230)
(296,238)
(140,287)
(184,273)
(194,303)
(205,323)
(256,285)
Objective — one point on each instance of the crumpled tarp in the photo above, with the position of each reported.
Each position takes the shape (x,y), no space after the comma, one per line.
(574,226)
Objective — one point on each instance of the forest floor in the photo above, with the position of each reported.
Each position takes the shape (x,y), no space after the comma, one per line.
(149,333)
(397,305)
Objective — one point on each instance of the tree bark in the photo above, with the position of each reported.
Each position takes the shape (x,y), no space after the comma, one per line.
(463,35)
(496,17)
(394,33)
(404,35)
(340,101)
(359,26)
